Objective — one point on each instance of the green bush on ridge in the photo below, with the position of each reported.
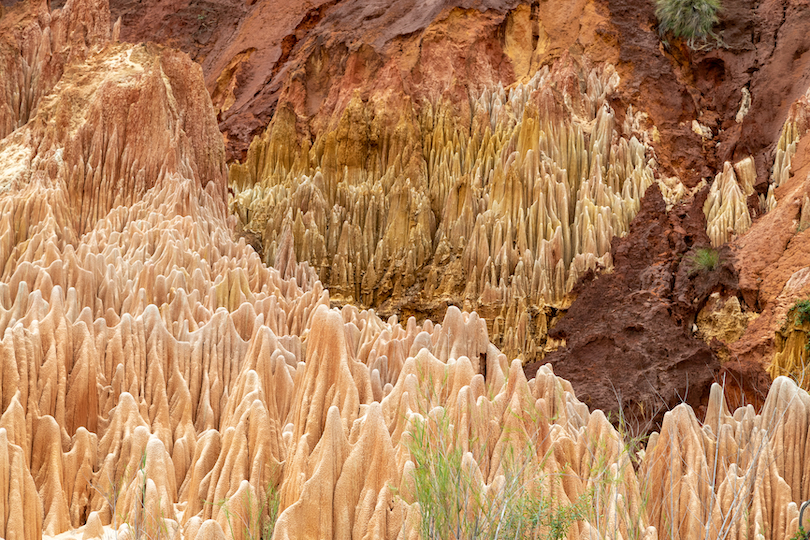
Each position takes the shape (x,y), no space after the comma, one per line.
(692,20)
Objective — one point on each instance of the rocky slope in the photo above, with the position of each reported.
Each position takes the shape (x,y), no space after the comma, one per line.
(159,379)
(366,94)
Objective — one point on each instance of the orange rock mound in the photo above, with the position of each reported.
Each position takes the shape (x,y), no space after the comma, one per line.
(156,378)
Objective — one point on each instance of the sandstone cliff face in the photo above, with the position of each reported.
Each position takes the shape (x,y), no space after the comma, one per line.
(158,378)
(372,95)
(37,44)
(377,143)
(410,179)
(774,277)
(709,107)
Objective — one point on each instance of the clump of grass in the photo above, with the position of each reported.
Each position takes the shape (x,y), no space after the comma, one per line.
(800,534)
(801,316)
(256,519)
(691,20)
(455,503)
(703,259)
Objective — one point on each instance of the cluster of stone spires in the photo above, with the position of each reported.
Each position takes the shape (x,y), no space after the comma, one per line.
(153,370)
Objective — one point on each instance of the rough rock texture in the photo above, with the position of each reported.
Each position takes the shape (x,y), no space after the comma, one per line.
(502,217)
(741,90)
(629,345)
(729,467)
(323,68)
(387,139)
(355,89)
(419,50)
(400,168)
(157,378)
(36,45)
(775,273)
(250,50)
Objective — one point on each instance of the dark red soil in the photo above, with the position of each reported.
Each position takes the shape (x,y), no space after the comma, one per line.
(630,346)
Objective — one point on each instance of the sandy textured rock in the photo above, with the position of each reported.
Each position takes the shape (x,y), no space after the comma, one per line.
(406,208)
(729,476)
(358,89)
(612,351)
(36,44)
(723,319)
(774,276)
(159,378)
(725,208)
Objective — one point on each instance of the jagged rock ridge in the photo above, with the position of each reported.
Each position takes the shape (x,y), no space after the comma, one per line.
(501,217)
(156,374)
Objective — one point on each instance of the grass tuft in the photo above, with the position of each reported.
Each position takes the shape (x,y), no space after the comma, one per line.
(802,311)
(691,20)
(455,503)
(703,259)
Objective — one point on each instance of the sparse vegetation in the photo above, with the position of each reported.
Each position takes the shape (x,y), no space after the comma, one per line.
(802,311)
(111,493)
(692,20)
(800,533)
(456,504)
(146,523)
(256,519)
(703,259)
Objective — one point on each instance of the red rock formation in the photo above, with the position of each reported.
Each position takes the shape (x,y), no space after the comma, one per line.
(250,51)
(774,276)
(301,77)
(36,45)
(314,55)
(157,378)
(615,353)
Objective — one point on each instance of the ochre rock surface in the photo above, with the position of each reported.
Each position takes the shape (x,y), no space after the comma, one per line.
(366,93)
(501,217)
(284,76)
(774,275)
(262,56)
(157,378)
(250,51)
(36,45)
(400,168)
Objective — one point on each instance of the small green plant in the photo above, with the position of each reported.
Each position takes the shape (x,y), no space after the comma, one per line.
(258,525)
(692,20)
(800,535)
(801,316)
(111,493)
(454,502)
(146,525)
(802,310)
(703,259)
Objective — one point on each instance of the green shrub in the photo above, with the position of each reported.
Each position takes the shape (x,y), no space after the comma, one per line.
(703,260)
(454,503)
(692,20)
(802,309)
